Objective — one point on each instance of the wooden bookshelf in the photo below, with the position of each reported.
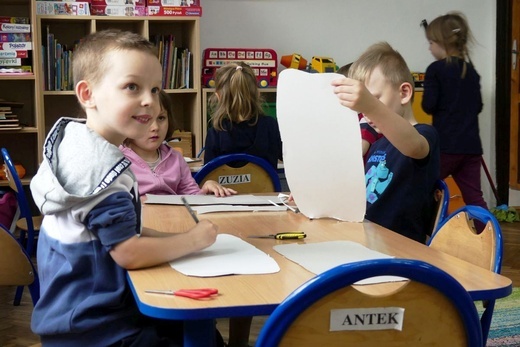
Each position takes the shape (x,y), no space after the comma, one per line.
(43,107)
(23,143)
(67,30)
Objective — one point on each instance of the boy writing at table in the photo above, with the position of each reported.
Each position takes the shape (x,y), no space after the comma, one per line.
(91,232)
(403,165)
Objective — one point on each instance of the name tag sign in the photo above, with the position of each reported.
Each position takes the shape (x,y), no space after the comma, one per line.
(234,179)
(373,318)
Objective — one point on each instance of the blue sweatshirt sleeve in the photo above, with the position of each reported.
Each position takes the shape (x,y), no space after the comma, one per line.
(114,219)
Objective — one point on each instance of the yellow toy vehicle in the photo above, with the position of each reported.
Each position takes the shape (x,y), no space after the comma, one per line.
(323,64)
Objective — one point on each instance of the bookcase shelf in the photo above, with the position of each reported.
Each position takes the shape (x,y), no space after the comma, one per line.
(22,143)
(68,30)
(42,108)
(15,78)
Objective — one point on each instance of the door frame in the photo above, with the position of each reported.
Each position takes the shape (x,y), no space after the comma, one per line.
(503,97)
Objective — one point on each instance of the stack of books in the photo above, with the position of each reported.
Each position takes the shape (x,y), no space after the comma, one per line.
(8,120)
(15,45)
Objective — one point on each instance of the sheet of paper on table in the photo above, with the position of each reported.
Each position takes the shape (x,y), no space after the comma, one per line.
(192,160)
(238,208)
(322,256)
(229,255)
(211,199)
(321,147)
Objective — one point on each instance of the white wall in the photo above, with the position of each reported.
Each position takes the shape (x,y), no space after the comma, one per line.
(343,29)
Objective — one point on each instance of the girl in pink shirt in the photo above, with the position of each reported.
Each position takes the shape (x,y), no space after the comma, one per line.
(158,168)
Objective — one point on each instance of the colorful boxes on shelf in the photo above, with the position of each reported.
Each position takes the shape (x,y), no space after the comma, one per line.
(174,11)
(120,7)
(62,8)
(118,10)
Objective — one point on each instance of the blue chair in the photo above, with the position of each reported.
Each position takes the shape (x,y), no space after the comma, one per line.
(16,267)
(437,309)
(26,224)
(458,237)
(254,175)
(441,195)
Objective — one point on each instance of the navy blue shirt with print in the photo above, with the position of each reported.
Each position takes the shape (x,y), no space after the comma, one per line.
(400,189)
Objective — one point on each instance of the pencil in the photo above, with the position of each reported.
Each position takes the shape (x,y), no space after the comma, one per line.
(190,210)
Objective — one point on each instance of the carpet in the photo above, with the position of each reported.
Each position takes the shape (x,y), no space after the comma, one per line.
(505,325)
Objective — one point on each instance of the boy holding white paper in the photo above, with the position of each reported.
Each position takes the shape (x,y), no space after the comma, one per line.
(403,165)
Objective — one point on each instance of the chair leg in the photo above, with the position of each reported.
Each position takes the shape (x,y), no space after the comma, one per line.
(18,296)
(22,238)
(485,319)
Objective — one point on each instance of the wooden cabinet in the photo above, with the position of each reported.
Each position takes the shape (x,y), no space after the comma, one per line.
(67,30)
(22,144)
(420,115)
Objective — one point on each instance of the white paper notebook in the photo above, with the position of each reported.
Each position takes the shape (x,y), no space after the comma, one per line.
(321,147)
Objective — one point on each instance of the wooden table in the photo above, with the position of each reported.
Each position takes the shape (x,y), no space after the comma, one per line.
(250,295)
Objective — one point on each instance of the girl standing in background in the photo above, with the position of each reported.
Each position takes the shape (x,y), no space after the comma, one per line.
(452,96)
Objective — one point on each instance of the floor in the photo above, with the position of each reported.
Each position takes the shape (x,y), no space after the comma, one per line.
(15,321)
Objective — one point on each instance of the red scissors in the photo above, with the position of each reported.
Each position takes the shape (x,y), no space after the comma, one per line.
(201,293)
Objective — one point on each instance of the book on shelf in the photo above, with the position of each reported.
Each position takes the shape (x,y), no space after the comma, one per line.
(14,28)
(14,54)
(50,60)
(16,46)
(10,61)
(24,69)
(19,20)
(15,37)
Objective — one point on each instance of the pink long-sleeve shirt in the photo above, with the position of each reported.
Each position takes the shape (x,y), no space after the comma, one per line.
(171,176)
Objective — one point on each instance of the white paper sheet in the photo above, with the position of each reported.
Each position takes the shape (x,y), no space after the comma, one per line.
(322,256)
(227,256)
(211,199)
(192,160)
(238,208)
(321,147)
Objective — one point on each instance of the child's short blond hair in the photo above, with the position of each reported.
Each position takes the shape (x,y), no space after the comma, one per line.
(382,55)
(89,63)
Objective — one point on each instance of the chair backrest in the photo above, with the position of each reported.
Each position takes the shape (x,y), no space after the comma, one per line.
(255,176)
(441,195)
(16,268)
(16,184)
(433,307)
(457,236)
